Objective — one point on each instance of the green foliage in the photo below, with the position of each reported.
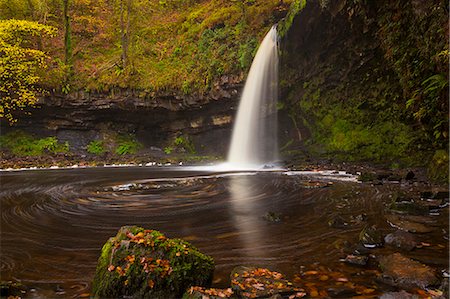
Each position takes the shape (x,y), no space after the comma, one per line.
(416,45)
(295,8)
(168,150)
(20,64)
(184,143)
(96,147)
(22,144)
(438,169)
(387,105)
(182,45)
(127,145)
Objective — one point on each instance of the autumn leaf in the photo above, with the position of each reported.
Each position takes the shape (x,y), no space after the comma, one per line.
(151,284)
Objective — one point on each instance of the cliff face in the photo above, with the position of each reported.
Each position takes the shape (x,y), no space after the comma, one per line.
(155,119)
(367,80)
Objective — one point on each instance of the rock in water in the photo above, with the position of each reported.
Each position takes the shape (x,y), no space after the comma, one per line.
(142,263)
(203,293)
(404,272)
(401,239)
(371,237)
(406,225)
(251,282)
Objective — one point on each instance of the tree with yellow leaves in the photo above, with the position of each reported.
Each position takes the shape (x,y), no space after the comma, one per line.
(20,64)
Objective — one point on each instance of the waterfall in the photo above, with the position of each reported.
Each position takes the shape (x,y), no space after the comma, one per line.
(254,142)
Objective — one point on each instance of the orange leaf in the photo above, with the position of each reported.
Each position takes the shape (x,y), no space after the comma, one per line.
(151,284)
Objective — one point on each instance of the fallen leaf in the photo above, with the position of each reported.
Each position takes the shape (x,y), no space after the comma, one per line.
(151,284)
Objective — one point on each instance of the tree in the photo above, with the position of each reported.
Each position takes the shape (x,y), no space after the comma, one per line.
(20,64)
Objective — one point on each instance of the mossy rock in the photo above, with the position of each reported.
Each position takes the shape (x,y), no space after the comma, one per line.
(141,263)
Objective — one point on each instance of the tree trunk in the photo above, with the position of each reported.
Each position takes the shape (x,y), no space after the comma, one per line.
(124,28)
(67,34)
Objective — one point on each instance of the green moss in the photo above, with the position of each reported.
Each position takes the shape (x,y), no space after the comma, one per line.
(438,169)
(22,144)
(127,144)
(145,264)
(286,23)
(96,147)
(383,105)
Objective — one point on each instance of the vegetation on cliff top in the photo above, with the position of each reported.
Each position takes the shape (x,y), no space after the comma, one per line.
(147,45)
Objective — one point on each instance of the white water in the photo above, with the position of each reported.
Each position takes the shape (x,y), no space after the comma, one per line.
(254,141)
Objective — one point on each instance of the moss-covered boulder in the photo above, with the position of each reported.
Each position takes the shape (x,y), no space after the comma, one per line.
(143,263)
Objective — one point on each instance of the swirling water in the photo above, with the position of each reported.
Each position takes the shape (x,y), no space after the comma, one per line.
(54,223)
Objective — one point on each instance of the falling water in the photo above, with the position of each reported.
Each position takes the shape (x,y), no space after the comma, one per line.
(254,141)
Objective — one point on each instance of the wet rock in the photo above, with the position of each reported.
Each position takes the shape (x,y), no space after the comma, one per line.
(399,295)
(371,237)
(359,260)
(407,225)
(315,184)
(404,272)
(337,222)
(434,195)
(367,177)
(401,239)
(126,187)
(12,289)
(250,282)
(204,293)
(410,175)
(140,263)
(420,219)
(358,219)
(272,217)
(408,207)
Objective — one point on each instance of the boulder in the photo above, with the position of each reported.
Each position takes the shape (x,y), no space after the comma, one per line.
(399,295)
(409,208)
(211,293)
(250,282)
(407,225)
(371,237)
(401,239)
(10,289)
(141,263)
(404,272)
(359,260)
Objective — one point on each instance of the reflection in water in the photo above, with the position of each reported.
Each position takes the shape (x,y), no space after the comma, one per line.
(245,215)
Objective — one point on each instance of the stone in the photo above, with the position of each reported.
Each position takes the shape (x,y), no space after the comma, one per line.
(399,295)
(410,175)
(404,272)
(359,260)
(251,282)
(141,263)
(371,237)
(272,217)
(337,222)
(409,208)
(12,289)
(407,225)
(211,293)
(401,239)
